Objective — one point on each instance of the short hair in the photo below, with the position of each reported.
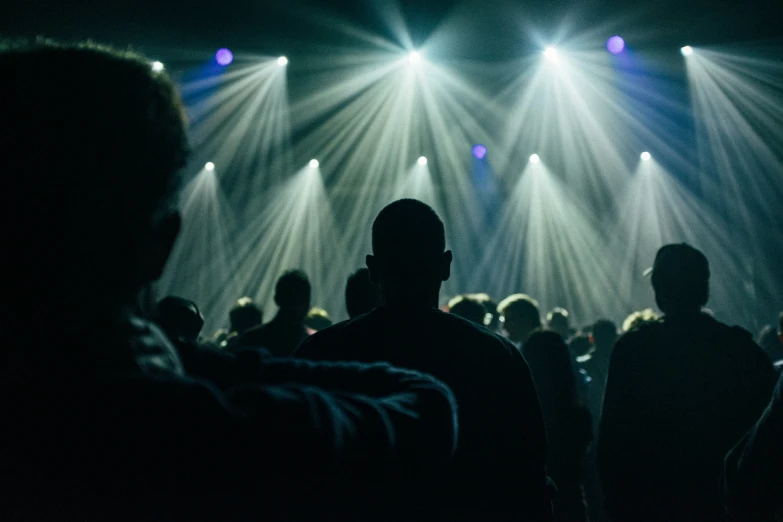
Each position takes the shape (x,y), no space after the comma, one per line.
(293,289)
(638,318)
(468,308)
(361,295)
(93,141)
(408,236)
(245,315)
(318,319)
(680,277)
(604,331)
(557,311)
(523,304)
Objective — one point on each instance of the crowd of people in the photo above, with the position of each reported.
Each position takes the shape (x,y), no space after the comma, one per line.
(118,406)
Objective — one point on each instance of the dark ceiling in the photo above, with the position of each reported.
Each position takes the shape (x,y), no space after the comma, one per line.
(480,28)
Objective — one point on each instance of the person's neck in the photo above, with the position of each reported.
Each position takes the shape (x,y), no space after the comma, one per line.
(410,298)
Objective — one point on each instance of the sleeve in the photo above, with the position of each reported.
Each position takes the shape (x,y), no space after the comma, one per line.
(753,479)
(351,420)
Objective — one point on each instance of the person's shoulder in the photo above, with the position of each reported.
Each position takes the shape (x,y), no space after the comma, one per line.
(321,343)
(474,334)
(640,334)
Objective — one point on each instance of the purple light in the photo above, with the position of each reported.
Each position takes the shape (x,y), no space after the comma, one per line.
(224,57)
(479,151)
(615,45)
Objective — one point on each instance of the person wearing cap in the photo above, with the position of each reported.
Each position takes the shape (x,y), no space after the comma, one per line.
(681,392)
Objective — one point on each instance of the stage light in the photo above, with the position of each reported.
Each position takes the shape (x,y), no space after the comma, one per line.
(209,166)
(414,58)
(314,163)
(157,66)
(551,54)
(615,45)
(646,156)
(282,61)
(422,161)
(224,57)
(534,158)
(479,151)
(687,50)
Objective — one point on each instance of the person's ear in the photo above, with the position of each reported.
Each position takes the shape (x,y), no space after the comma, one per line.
(445,268)
(163,239)
(372,267)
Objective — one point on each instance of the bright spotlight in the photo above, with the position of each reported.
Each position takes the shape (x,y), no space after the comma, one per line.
(687,50)
(646,156)
(414,58)
(551,54)
(535,159)
(224,57)
(615,45)
(422,161)
(209,166)
(479,151)
(282,61)
(157,66)
(314,163)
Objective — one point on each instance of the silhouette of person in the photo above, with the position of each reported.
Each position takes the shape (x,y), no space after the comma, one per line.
(246,314)
(283,334)
(499,469)
(468,308)
(558,321)
(521,317)
(361,294)
(753,481)
(179,318)
(604,338)
(568,422)
(681,392)
(103,422)
(317,319)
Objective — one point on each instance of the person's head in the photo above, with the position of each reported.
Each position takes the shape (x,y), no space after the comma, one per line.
(292,294)
(521,316)
(681,279)
(638,318)
(491,308)
(245,315)
(468,308)
(550,364)
(179,318)
(770,342)
(361,295)
(580,347)
(318,319)
(409,259)
(557,321)
(604,334)
(93,141)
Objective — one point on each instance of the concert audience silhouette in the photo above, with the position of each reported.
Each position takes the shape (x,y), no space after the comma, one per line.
(118,409)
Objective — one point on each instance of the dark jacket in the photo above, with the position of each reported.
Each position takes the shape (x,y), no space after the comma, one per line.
(681,392)
(754,468)
(499,469)
(128,435)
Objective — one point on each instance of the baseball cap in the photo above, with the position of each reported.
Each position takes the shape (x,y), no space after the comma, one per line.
(679,265)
